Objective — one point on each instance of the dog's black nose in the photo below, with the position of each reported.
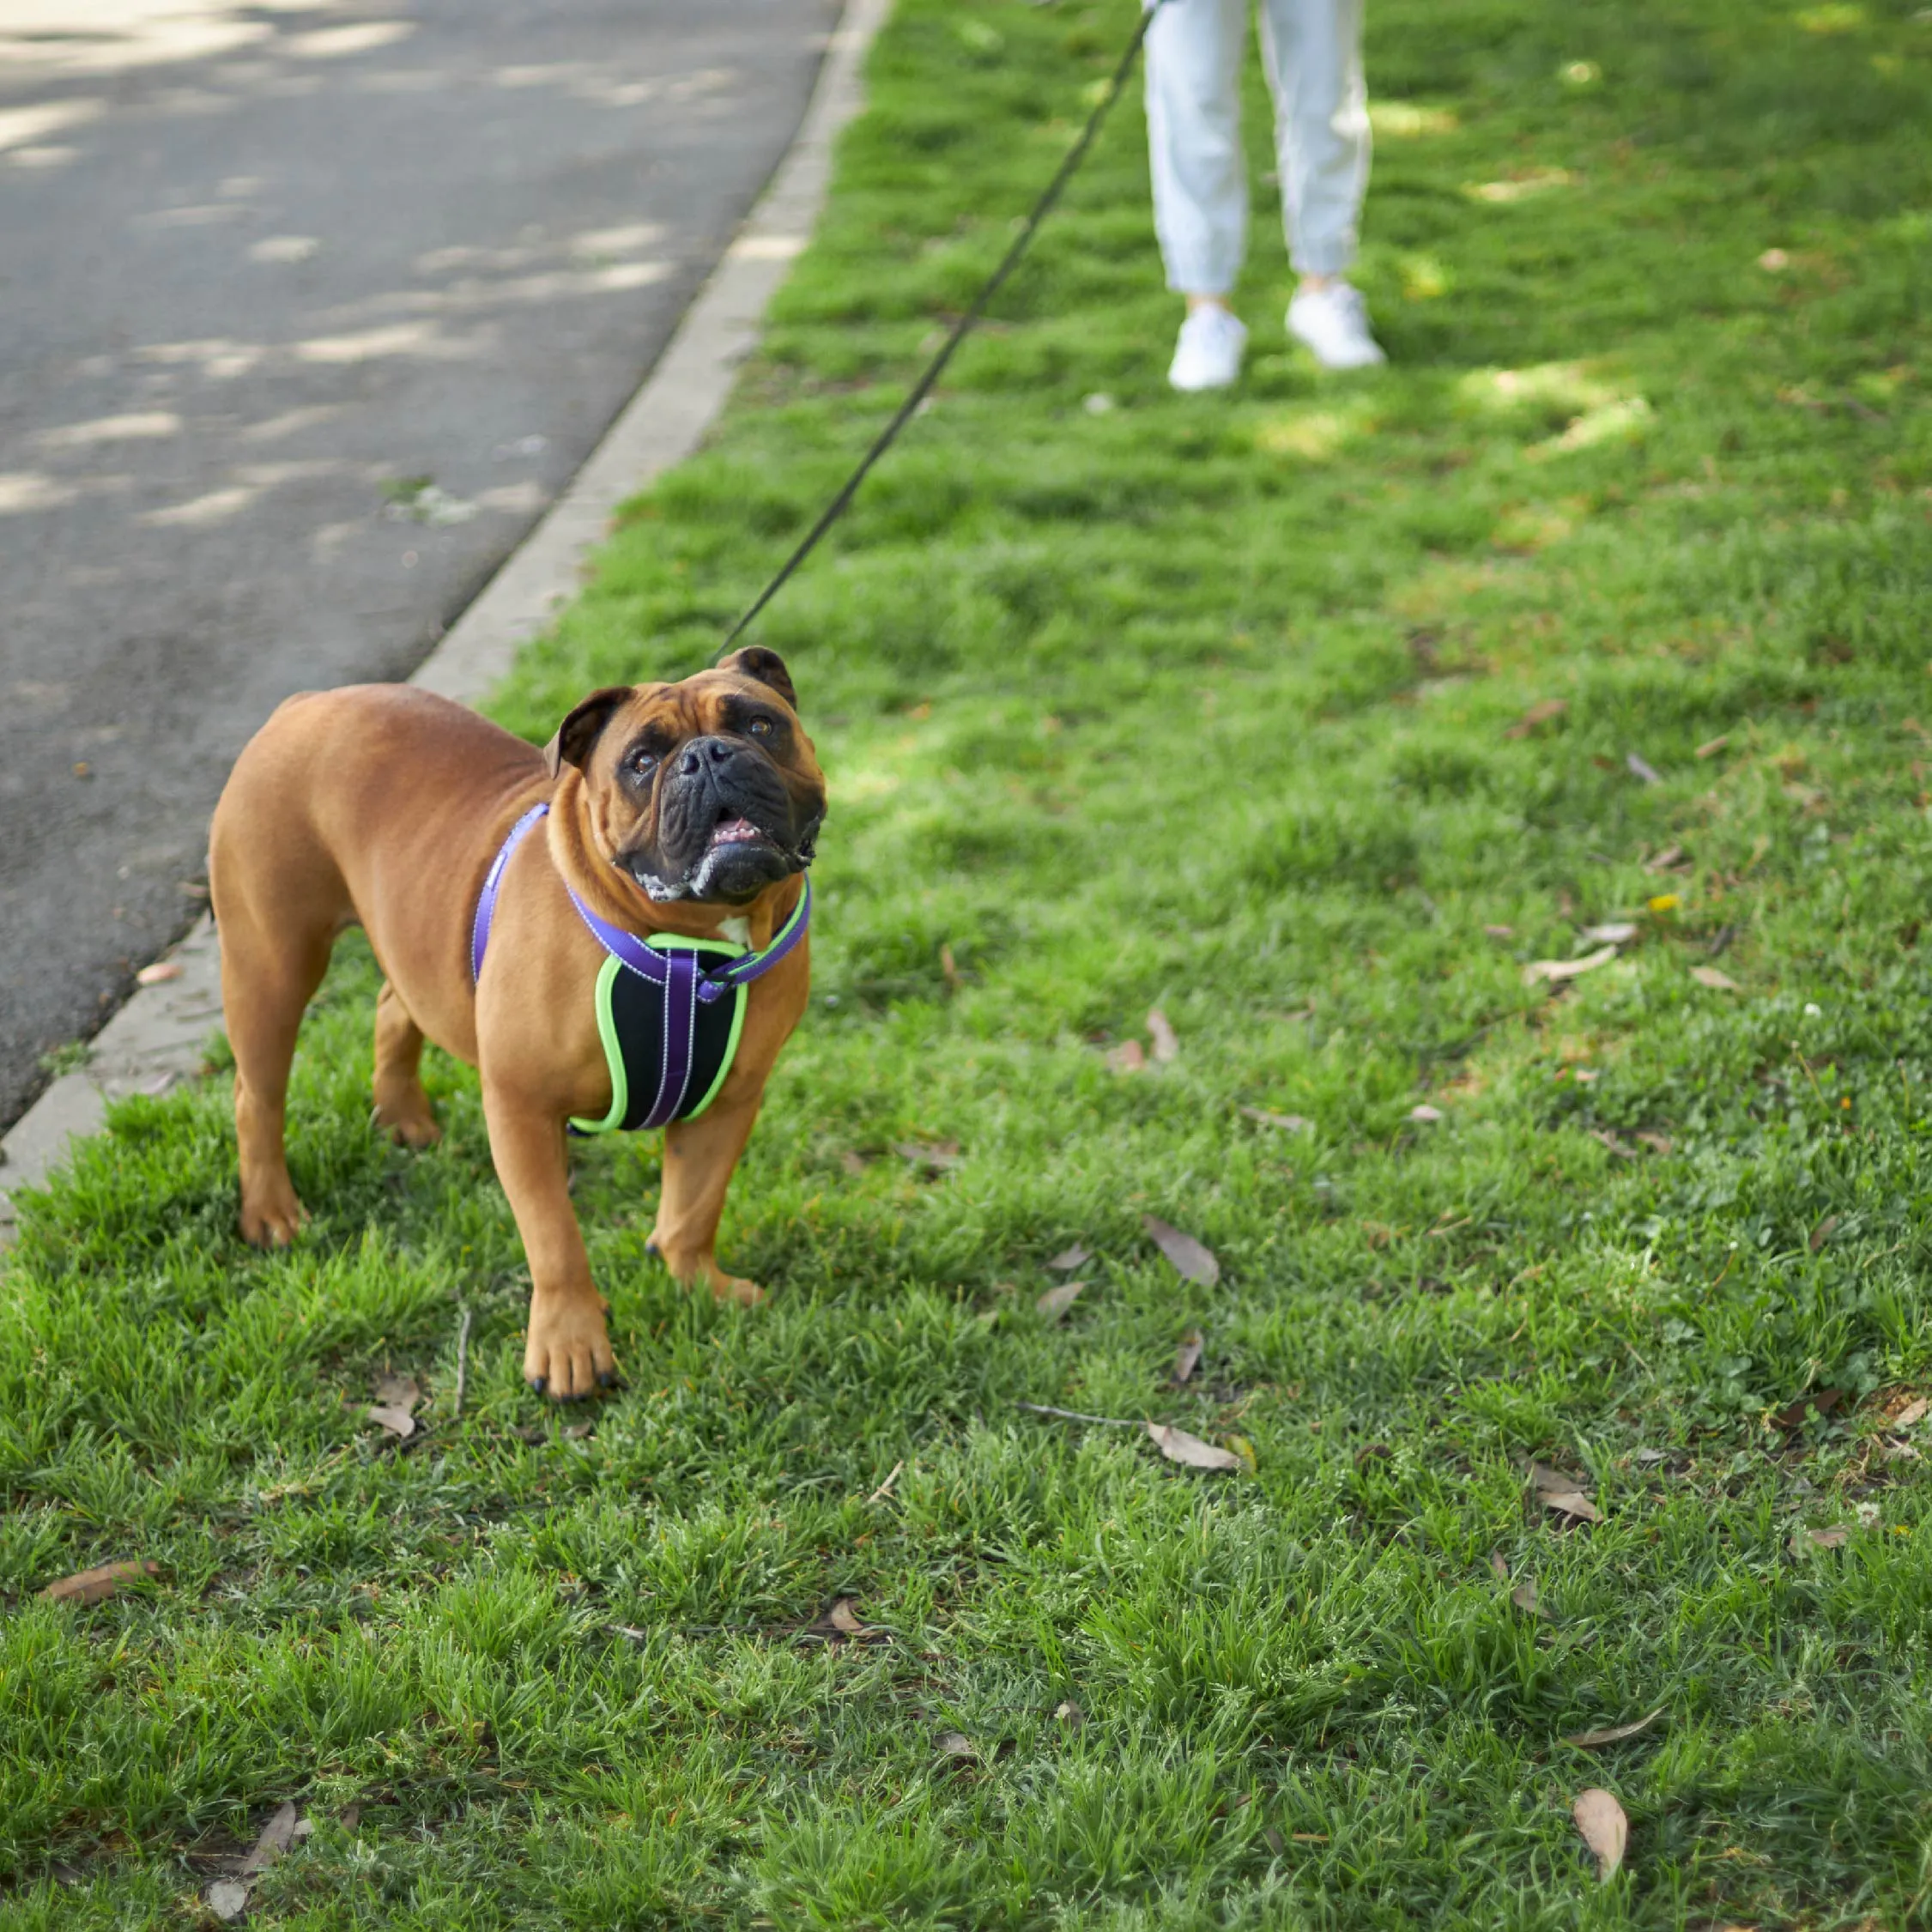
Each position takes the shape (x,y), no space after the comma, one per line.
(701,752)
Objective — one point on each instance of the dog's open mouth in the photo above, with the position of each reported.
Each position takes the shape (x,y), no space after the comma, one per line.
(738,860)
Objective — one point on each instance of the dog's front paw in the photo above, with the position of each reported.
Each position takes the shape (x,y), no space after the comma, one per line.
(568,1354)
(733,1287)
(273,1219)
(703,1271)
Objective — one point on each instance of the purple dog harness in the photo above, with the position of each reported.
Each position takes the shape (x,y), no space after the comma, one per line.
(669,1024)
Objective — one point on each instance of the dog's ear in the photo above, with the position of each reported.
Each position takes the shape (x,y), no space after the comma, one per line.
(576,736)
(755,661)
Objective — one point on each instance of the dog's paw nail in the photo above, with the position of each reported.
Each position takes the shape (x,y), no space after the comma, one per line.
(606,1379)
(538,1384)
(651,1248)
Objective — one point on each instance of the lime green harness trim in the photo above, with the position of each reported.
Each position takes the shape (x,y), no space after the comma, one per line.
(607,1031)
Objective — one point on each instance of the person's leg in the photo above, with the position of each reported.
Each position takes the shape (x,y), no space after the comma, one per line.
(1313,50)
(1313,53)
(1194,142)
(1194,51)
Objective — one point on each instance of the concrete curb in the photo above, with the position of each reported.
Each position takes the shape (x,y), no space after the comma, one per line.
(158,1037)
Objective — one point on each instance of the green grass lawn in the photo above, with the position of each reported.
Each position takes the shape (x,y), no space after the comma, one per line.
(1304,713)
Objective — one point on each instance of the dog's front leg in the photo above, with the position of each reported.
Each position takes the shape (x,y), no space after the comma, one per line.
(568,1351)
(700,1156)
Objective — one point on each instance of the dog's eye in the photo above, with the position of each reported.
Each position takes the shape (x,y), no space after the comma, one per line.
(641,763)
(760,727)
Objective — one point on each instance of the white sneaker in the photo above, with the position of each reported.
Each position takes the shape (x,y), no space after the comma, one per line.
(1207,355)
(1333,322)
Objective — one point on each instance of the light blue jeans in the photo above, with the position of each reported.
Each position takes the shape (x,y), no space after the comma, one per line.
(1313,54)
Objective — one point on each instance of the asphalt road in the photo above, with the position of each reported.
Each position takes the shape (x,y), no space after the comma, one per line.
(307,312)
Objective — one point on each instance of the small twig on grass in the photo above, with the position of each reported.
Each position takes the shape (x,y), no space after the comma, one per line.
(1797,1056)
(462,1363)
(1075,1415)
(885,1489)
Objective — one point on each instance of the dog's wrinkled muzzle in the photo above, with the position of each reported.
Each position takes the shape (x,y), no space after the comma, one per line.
(723,826)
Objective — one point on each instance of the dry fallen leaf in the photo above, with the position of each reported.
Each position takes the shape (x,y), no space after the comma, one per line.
(579,1431)
(1611,1142)
(1071,1715)
(1525,1599)
(1539,713)
(399,1421)
(854,1163)
(843,1616)
(93,1586)
(227,1898)
(1711,747)
(1056,1302)
(1613,1734)
(1129,1057)
(1178,1446)
(277,1835)
(1288,1122)
(1192,1260)
(1500,932)
(1657,1143)
(1718,982)
(1425,1114)
(1664,861)
(1605,1830)
(1792,1415)
(1498,1565)
(1914,1411)
(1819,1539)
(956,1744)
(398,1391)
(1564,1493)
(1572,1503)
(1187,1357)
(1546,1478)
(1822,1232)
(1640,770)
(936,1157)
(1559,969)
(1166,1042)
(159,972)
(1067,1259)
(1611,932)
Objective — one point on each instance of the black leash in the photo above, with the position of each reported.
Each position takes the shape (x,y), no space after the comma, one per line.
(1075,155)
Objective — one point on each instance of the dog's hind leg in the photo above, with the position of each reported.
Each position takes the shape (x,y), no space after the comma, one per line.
(267,980)
(402,1106)
(279,902)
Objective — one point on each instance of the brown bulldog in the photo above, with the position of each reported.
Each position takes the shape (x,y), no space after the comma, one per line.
(675,810)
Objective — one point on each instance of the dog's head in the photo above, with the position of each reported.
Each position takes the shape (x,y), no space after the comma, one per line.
(706,790)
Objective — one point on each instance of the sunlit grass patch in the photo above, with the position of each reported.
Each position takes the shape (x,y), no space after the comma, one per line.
(1320,718)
